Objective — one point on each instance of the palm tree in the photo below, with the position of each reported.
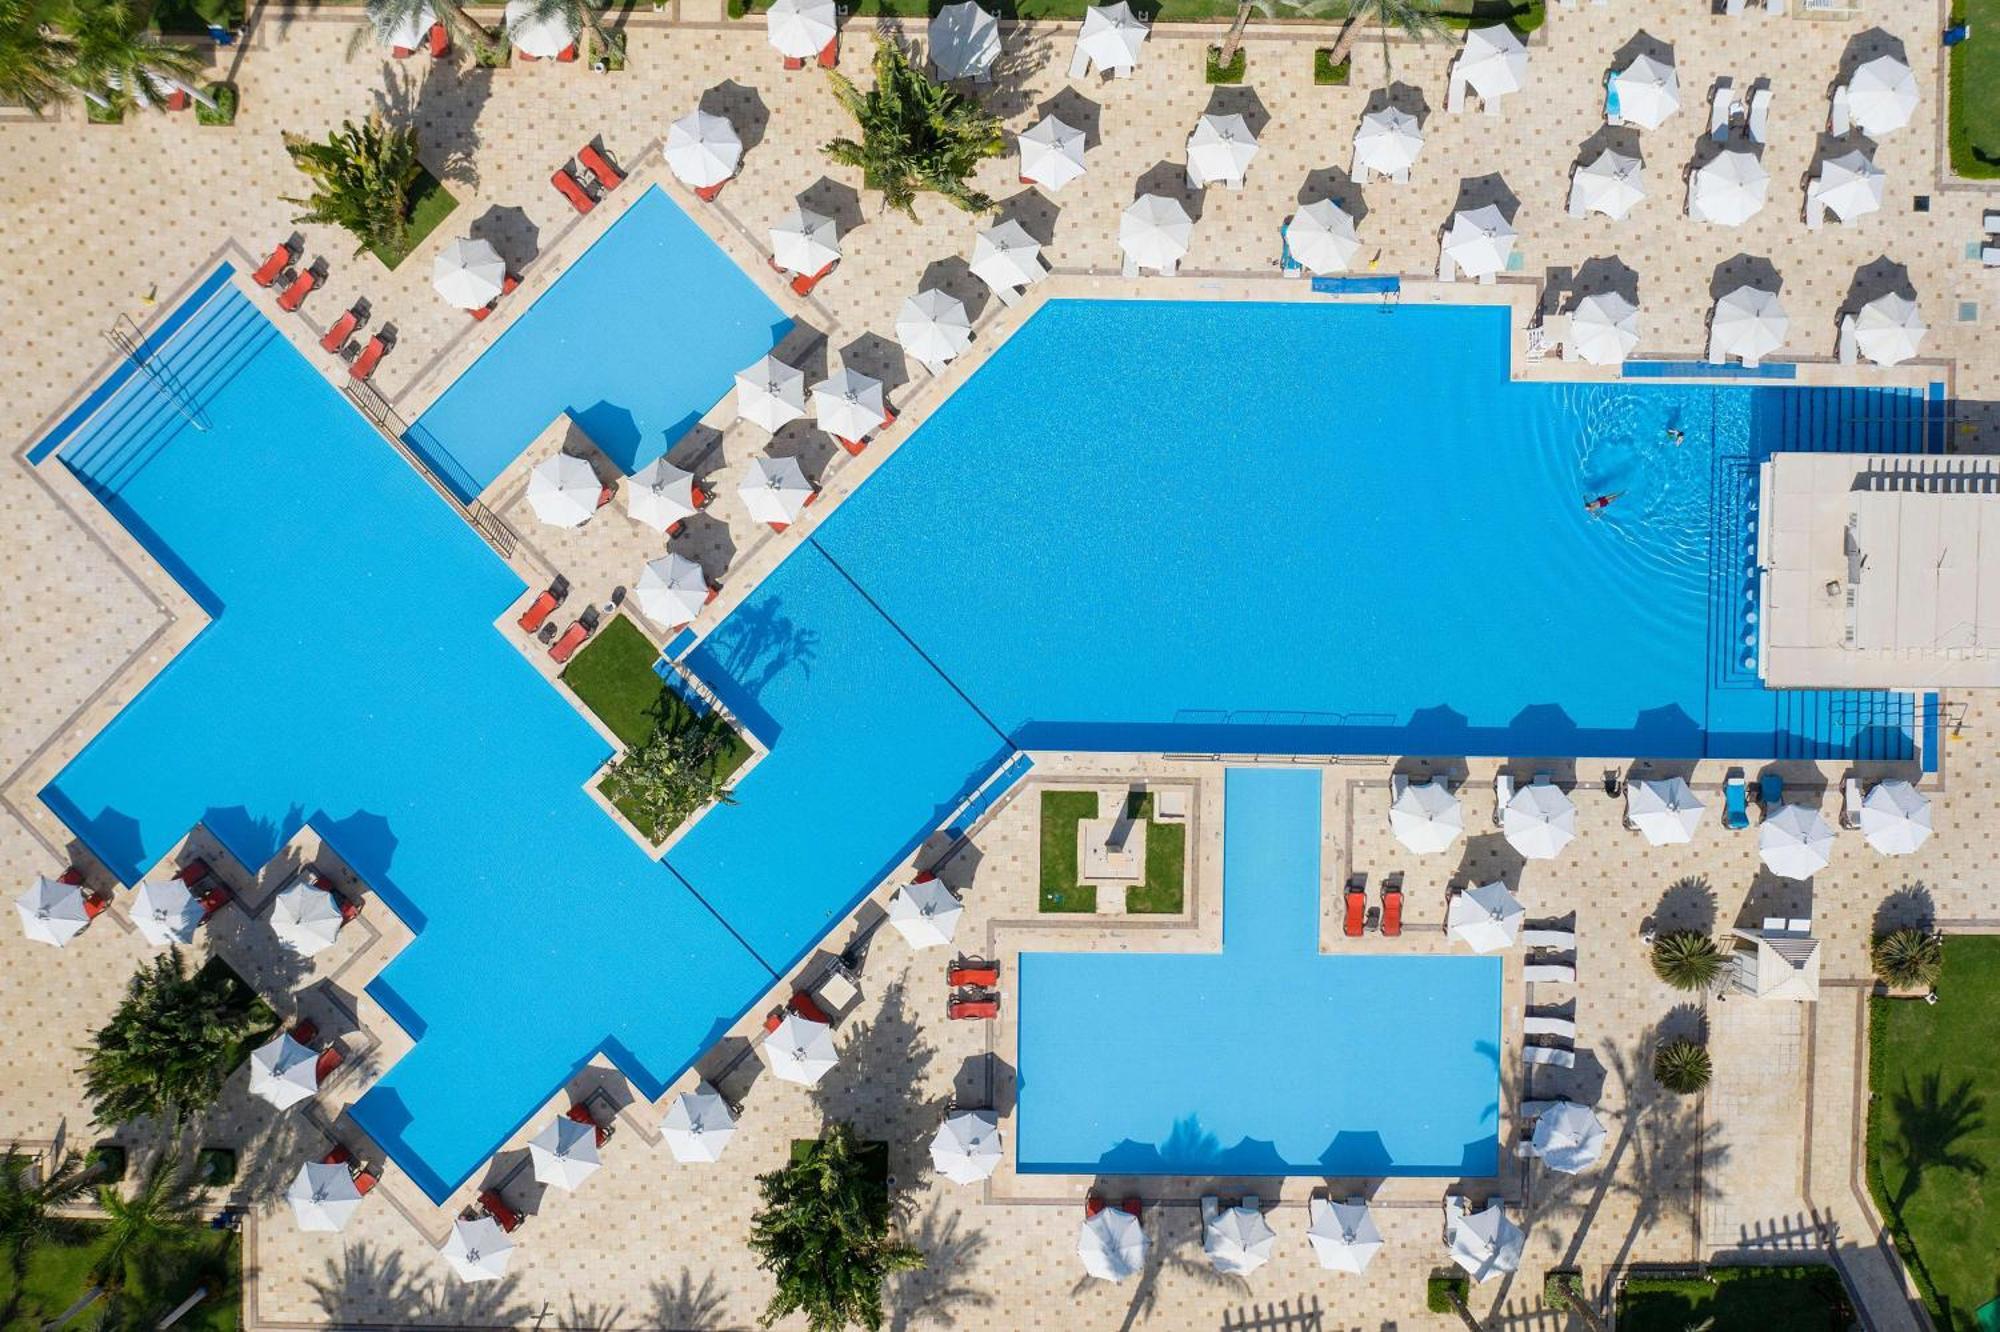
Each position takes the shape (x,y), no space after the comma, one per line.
(34,58)
(824,1232)
(1909,958)
(116,64)
(144,1228)
(1416,18)
(28,1203)
(1682,1066)
(669,776)
(362,177)
(170,1045)
(1566,1293)
(1226,56)
(389,17)
(916,135)
(579,16)
(1687,959)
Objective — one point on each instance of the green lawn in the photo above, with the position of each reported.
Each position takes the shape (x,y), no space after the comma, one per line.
(1739,1299)
(1934,1130)
(430,204)
(1165,889)
(1061,812)
(1458,14)
(57,1275)
(1975,91)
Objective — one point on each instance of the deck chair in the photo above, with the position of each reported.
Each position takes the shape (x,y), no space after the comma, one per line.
(1735,800)
(1560,940)
(1079,64)
(1760,114)
(1839,118)
(1770,792)
(1548,1026)
(1503,795)
(1850,790)
(1454,98)
(1549,973)
(1718,110)
(1548,1054)
(1848,354)
(1131,267)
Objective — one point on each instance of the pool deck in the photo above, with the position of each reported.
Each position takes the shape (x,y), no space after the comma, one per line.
(1764,1163)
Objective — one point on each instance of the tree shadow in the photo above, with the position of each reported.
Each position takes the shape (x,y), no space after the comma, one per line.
(1909,907)
(686,1307)
(931,1294)
(443,104)
(1175,1246)
(875,1085)
(366,1286)
(1927,1126)
(1688,904)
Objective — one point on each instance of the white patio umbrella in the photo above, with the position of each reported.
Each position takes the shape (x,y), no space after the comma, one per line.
(771,394)
(1729,189)
(1665,812)
(51,912)
(165,912)
(1796,842)
(800,30)
(564,1154)
(1568,1138)
(1486,1244)
(1426,817)
(848,405)
(965,41)
(1111,36)
(1220,149)
(1343,1236)
(1611,184)
(1051,153)
(801,1050)
(1603,329)
(698,1125)
(926,914)
(671,590)
(478,1249)
(804,241)
(1321,237)
(702,150)
(323,1197)
(305,919)
(1895,818)
(774,490)
(660,495)
(1487,918)
(1494,62)
(1479,241)
(1006,256)
(536,31)
(1882,96)
(1850,185)
(933,327)
(1238,1241)
(1749,324)
(966,1147)
(1888,330)
(563,490)
(1648,91)
(1154,231)
(1112,1244)
(1387,141)
(468,273)
(1539,821)
(283,1072)
(412,30)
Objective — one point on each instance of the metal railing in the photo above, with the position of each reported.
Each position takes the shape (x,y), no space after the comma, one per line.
(369,401)
(127,344)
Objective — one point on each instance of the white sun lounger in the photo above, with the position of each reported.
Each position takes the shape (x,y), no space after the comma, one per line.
(1536,1109)
(1454,97)
(1548,1054)
(1561,940)
(1760,114)
(1079,64)
(1131,267)
(1850,809)
(1549,973)
(1718,111)
(1503,792)
(1848,354)
(1548,1026)
(1837,120)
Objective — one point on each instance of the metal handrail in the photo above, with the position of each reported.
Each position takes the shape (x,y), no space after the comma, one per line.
(376,409)
(127,345)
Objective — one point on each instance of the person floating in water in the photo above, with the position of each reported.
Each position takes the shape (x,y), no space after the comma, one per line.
(1675,437)
(1593,507)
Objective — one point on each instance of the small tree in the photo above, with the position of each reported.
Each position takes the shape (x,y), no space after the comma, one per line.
(669,776)
(28,1203)
(390,17)
(170,1045)
(583,17)
(1908,958)
(116,64)
(361,177)
(1416,18)
(1687,959)
(143,1229)
(1564,1292)
(1682,1066)
(916,135)
(34,58)
(824,1233)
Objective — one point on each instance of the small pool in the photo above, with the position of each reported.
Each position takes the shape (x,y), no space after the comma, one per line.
(1267,1058)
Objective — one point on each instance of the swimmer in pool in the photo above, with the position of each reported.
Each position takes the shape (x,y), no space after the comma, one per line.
(1593,507)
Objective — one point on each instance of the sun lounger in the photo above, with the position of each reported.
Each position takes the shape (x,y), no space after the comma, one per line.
(1548,1026)
(1718,110)
(1563,940)
(507,285)
(1850,803)
(1454,96)
(1524,1148)
(532,618)
(1838,118)
(968,1009)
(1357,913)
(496,1207)
(1130,268)
(349,908)
(1990,223)
(295,295)
(1989,255)
(338,1156)
(94,904)
(802,1004)
(1770,792)
(305,1032)
(1536,1109)
(1503,795)
(402,52)
(579,1112)
(440,41)
(194,873)
(794,62)
(364,1181)
(329,1059)
(707,193)
(803,283)
(1548,1054)
(571,189)
(1392,912)
(610,177)
(1735,800)
(213,900)
(1845,350)
(1760,114)
(829,55)
(343,329)
(1079,63)
(371,356)
(1092,1204)
(281,258)
(987,974)
(1549,973)
(572,639)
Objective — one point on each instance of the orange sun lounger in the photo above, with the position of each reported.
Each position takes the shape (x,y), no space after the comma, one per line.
(1357,912)
(803,283)
(533,618)
(580,1113)
(1392,911)
(371,356)
(975,1004)
(610,177)
(281,259)
(829,55)
(295,295)
(440,41)
(329,1059)
(496,1207)
(343,329)
(983,974)
(572,189)
(572,639)
(507,285)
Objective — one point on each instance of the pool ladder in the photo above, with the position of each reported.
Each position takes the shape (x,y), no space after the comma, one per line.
(124,336)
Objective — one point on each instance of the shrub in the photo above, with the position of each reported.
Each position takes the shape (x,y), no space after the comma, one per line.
(1217,72)
(1687,959)
(1682,1066)
(1438,1292)
(225,99)
(826,1233)
(1326,73)
(173,1042)
(1908,958)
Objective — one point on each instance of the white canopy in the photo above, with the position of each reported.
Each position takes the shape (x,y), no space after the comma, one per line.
(1154,231)
(1850,185)
(1479,241)
(801,1050)
(1426,816)
(671,590)
(800,30)
(660,495)
(1603,329)
(774,490)
(1611,184)
(478,1249)
(564,1154)
(305,919)
(1321,237)
(1785,964)
(165,912)
(1487,918)
(1665,812)
(1568,1137)
(1344,1236)
(933,327)
(1486,1244)
(1539,821)
(965,41)
(1882,96)
(1888,330)
(698,1125)
(771,394)
(1111,36)
(702,149)
(1238,1241)
(1729,189)
(1006,256)
(1748,323)
(803,241)
(1387,141)
(563,490)
(51,912)
(926,914)
(1896,818)
(1494,63)
(1112,1245)
(414,29)
(538,31)
(323,1197)
(283,1072)
(1796,842)
(848,405)
(966,1147)
(1648,91)
(1051,153)
(468,273)
(1220,149)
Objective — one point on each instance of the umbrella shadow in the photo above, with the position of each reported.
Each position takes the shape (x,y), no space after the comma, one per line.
(877,357)
(743,107)
(1605,275)
(1642,43)
(953,276)
(1484,191)
(803,440)
(830,198)
(1035,212)
(1404,97)
(1078,112)
(1881,276)
(508,229)
(1623,140)
(1771,897)
(1744,270)
(1332,183)
(1170,179)
(1865,46)
(1489,856)
(1240,100)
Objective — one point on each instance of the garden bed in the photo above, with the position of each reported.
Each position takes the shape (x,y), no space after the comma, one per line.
(1738,1299)
(53,1276)
(430,204)
(1975,92)
(1062,811)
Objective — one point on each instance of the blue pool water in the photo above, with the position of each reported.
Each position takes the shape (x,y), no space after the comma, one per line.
(637,339)
(1267,1058)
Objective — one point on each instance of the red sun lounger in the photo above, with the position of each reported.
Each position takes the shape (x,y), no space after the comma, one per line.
(1357,912)
(349,908)
(572,639)
(402,52)
(507,284)
(343,329)
(567,54)
(533,617)
(94,904)
(497,1208)
(707,193)
(829,55)
(610,177)
(194,873)
(213,900)
(363,1181)
(295,295)
(580,1113)
(984,1004)
(371,356)
(1392,912)
(1131,1206)
(1092,1204)
(281,259)
(305,1031)
(958,977)
(329,1059)
(440,41)
(571,189)
(338,1156)
(803,283)
(794,62)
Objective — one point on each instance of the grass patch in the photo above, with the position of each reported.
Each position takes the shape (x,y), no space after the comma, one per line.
(1974,114)
(430,204)
(195,17)
(1440,1288)
(1933,1134)
(55,1276)
(1062,811)
(1738,1299)
(1217,72)
(1327,74)
(225,98)
(1165,889)
(1457,14)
